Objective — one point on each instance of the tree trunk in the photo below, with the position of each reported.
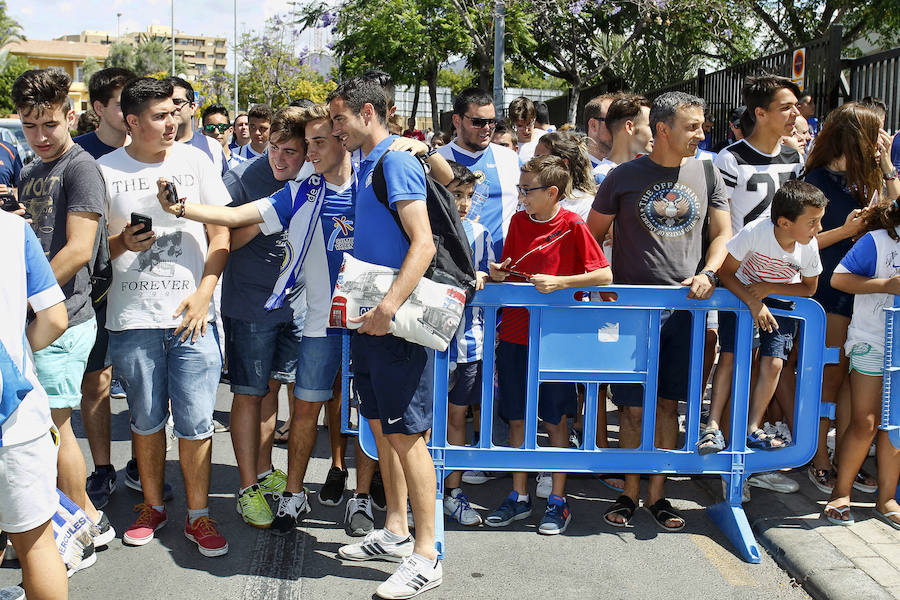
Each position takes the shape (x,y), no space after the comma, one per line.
(431,79)
(415,106)
(486,74)
(574,95)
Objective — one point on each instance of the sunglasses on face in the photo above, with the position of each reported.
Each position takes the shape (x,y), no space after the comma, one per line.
(222,127)
(478,122)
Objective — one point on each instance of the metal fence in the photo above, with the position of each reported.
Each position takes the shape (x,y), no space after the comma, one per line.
(877,75)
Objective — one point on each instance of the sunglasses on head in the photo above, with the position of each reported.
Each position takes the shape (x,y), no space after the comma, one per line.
(222,127)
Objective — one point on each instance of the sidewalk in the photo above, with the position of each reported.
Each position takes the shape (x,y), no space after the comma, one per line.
(831,562)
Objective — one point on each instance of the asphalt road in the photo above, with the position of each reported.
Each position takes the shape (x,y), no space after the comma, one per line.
(591,560)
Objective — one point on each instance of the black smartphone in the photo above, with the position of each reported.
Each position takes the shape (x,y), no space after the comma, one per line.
(10,204)
(139,219)
(171,193)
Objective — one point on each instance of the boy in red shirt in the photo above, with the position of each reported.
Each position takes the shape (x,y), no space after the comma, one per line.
(553,249)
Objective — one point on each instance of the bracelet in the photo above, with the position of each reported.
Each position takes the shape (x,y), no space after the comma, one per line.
(430,153)
(180,212)
(890,176)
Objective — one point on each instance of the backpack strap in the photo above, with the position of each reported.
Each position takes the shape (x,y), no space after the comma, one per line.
(379,186)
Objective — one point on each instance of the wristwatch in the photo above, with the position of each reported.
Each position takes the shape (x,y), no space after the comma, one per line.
(891,175)
(713,278)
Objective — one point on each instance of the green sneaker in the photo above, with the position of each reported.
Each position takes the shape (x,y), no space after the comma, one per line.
(274,482)
(254,509)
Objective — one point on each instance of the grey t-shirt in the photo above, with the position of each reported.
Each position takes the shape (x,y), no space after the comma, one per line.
(660,213)
(50,191)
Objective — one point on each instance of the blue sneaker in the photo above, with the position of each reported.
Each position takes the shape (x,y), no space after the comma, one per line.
(116,390)
(556,517)
(100,484)
(511,510)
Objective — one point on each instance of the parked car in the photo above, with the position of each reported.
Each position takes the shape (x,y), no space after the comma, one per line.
(14,126)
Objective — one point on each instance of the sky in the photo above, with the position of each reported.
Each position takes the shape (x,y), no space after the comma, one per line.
(198,17)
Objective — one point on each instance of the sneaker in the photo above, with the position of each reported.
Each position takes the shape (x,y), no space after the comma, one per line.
(203,532)
(116,390)
(88,559)
(100,485)
(332,492)
(544,485)
(358,519)
(291,509)
(477,477)
(133,480)
(141,531)
(745,491)
(102,532)
(12,593)
(457,507)
(273,483)
(219,427)
(376,492)
(253,508)
(415,575)
(556,517)
(511,510)
(775,481)
(376,546)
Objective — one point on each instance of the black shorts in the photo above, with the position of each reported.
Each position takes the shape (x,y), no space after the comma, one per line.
(99,357)
(394,381)
(555,400)
(465,389)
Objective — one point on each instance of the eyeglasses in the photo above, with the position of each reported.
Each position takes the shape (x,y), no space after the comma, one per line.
(222,127)
(479,122)
(524,191)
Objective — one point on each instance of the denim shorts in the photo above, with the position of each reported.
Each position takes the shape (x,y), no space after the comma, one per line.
(155,366)
(394,381)
(555,400)
(60,366)
(258,352)
(778,343)
(318,366)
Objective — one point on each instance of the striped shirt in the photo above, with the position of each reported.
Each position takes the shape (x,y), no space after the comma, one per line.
(467,346)
(763,259)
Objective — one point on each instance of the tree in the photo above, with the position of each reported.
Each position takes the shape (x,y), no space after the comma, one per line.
(121,55)
(10,31)
(216,87)
(88,68)
(15,66)
(150,55)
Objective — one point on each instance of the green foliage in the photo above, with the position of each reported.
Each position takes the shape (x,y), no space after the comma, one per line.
(121,55)
(15,66)
(10,31)
(150,55)
(457,81)
(88,68)
(518,74)
(215,87)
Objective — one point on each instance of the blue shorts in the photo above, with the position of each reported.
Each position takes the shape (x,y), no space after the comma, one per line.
(465,385)
(674,362)
(394,381)
(258,352)
(555,400)
(318,366)
(728,332)
(99,357)
(60,366)
(778,344)
(155,367)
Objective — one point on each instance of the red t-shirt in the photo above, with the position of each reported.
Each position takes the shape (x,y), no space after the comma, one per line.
(561,246)
(415,134)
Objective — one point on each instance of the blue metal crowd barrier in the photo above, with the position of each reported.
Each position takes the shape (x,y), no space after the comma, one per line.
(890,411)
(618,342)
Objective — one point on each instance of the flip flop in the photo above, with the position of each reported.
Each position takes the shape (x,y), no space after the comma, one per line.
(624,506)
(281,434)
(604,479)
(663,511)
(841,510)
(886,517)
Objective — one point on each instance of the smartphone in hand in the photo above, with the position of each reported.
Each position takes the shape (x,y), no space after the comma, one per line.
(139,219)
(9,202)
(171,193)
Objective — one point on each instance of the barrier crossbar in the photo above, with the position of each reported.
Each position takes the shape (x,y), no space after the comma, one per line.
(617,341)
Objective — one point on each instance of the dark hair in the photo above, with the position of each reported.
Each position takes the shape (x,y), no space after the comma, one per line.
(385,81)
(358,91)
(885,217)
(238,116)
(758,92)
(87,121)
(215,109)
(551,170)
(573,149)
(290,122)
(503,126)
(792,197)
(138,92)
(734,117)
(472,95)
(302,103)
(441,136)
(592,108)
(178,82)
(542,112)
(461,174)
(105,82)
(42,90)
(624,108)
(521,109)
(877,103)
(851,131)
(260,111)
(665,106)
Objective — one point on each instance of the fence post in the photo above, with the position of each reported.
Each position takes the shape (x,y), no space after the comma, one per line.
(833,68)
(701,83)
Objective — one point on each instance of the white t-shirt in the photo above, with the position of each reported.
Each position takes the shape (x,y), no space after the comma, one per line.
(763,259)
(752,178)
(874,255)
(579,202)
(604,167)
(148,286)
(526,149)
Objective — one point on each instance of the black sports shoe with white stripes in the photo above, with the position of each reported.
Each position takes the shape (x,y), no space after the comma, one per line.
(417,574)
(376,546)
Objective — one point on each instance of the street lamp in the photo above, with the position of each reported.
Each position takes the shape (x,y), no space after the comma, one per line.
(234,51)
(118,16)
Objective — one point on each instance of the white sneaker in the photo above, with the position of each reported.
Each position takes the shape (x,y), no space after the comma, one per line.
(775,481)
(544,485)
(457,507)
(376,546)
(477,477)
(415,575)
(745,491)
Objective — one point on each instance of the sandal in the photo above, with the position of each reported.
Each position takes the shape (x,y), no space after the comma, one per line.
(663,511)
(886,517)
(840,510)
(623,506)
(607,480)
(711,442)
(865,483)
(822,478)
(760,440)
(281,434)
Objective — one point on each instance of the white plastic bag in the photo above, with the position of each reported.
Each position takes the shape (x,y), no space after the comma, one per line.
(429,317)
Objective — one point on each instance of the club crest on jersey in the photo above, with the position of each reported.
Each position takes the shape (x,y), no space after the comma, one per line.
(479,176)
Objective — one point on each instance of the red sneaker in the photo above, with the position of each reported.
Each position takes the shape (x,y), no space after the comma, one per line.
(148,521)
(203,532)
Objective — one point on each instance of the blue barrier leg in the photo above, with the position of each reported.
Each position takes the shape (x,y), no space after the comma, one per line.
(734,524)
